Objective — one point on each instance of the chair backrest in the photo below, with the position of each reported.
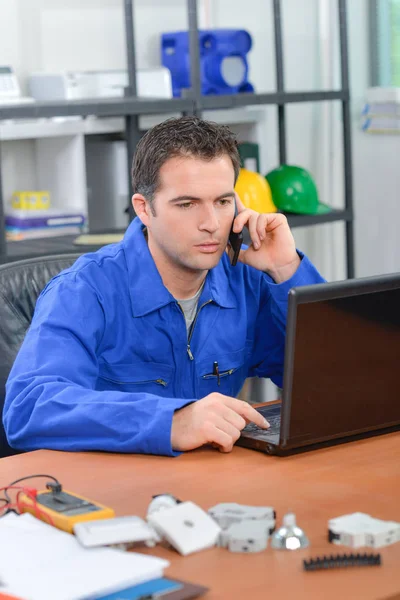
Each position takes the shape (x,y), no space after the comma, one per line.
(20,285)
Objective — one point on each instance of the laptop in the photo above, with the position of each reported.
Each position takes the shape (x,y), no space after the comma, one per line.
(341,370)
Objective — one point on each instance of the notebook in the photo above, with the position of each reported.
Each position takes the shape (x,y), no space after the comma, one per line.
(40,562)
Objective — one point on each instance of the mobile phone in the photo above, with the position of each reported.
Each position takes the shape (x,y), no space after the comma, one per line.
(235,241)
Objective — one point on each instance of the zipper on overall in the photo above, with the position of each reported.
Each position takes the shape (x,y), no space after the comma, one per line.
(159,381)
(188,349)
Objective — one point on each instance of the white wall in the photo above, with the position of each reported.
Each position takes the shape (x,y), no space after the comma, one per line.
(71,34)
(376,168)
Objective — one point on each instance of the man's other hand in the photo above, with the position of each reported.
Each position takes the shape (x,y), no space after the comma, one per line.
(215,419)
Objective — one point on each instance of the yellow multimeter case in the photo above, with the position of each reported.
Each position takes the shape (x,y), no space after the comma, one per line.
(64,508)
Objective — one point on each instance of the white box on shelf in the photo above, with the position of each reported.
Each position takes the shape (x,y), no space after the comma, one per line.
(78,85)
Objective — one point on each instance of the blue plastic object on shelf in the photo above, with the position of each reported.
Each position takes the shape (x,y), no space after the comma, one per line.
(223,64)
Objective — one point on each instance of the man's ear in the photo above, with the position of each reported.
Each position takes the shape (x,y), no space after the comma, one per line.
(141,208)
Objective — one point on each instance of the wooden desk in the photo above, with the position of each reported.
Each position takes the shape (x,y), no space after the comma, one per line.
(361,476)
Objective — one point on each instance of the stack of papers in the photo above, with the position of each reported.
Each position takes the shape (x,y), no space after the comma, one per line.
(31,224)
(40,562)
(381,113)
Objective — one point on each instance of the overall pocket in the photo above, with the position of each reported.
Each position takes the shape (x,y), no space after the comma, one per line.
(154,378)
(226,378)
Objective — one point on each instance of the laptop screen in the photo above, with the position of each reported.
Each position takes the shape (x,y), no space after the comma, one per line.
(345,362)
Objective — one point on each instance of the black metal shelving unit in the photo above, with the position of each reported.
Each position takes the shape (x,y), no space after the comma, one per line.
(281,99)
(130,107)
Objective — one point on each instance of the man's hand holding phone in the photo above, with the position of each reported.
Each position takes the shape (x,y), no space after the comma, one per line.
(272,247)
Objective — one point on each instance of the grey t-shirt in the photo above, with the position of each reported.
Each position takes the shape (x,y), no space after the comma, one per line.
(189,307)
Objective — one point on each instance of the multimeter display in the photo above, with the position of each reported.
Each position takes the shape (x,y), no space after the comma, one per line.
(65,503)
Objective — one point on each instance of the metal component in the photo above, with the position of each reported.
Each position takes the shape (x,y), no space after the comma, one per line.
(245,99)
(100,107)
(280,79)
(380,43)
(229,513)
(334,215)
(131,122)
(244,528)
(360,529)
(195,75)
(130,48)
(289,536)
(133,135)
(347,157)
(373,45)
(304,220)
(247,536)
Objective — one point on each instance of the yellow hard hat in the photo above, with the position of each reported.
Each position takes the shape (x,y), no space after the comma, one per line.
(254,192)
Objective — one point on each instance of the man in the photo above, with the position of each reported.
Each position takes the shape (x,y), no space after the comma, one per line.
(143,345)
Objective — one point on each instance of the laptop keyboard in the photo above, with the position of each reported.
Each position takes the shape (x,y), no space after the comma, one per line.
(273,416)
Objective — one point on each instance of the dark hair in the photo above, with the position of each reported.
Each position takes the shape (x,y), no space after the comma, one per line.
(185,136)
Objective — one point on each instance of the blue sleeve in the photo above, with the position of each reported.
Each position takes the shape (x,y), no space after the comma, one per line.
(51,397)
(269,346)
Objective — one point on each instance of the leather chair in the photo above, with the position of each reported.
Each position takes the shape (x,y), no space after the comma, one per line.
(20,285)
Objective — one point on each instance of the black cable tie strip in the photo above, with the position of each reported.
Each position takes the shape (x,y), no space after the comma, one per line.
(342,560)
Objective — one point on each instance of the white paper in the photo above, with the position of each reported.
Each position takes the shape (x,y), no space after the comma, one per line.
(40,562)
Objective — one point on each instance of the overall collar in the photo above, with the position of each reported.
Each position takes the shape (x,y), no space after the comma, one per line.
(146,288)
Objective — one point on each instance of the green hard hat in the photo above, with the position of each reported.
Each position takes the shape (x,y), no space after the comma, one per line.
(294,190)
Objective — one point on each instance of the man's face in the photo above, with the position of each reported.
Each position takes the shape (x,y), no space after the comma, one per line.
(194,210)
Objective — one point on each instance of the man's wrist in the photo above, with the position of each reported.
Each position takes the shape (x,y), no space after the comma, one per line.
(281,274)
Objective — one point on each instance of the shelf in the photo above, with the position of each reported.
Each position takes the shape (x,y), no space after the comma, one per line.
(309,220)
(231,116)
(114,107)
(64,126)
(280,98)
(44,247)
(100,107)
(306,220)
(113,113)
(40,128)
(64,244)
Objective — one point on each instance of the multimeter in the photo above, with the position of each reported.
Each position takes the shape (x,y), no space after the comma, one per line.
(63,509)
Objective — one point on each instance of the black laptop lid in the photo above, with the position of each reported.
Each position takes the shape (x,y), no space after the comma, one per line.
(342,360)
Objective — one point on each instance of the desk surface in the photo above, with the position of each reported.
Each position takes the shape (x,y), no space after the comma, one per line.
(360,476)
